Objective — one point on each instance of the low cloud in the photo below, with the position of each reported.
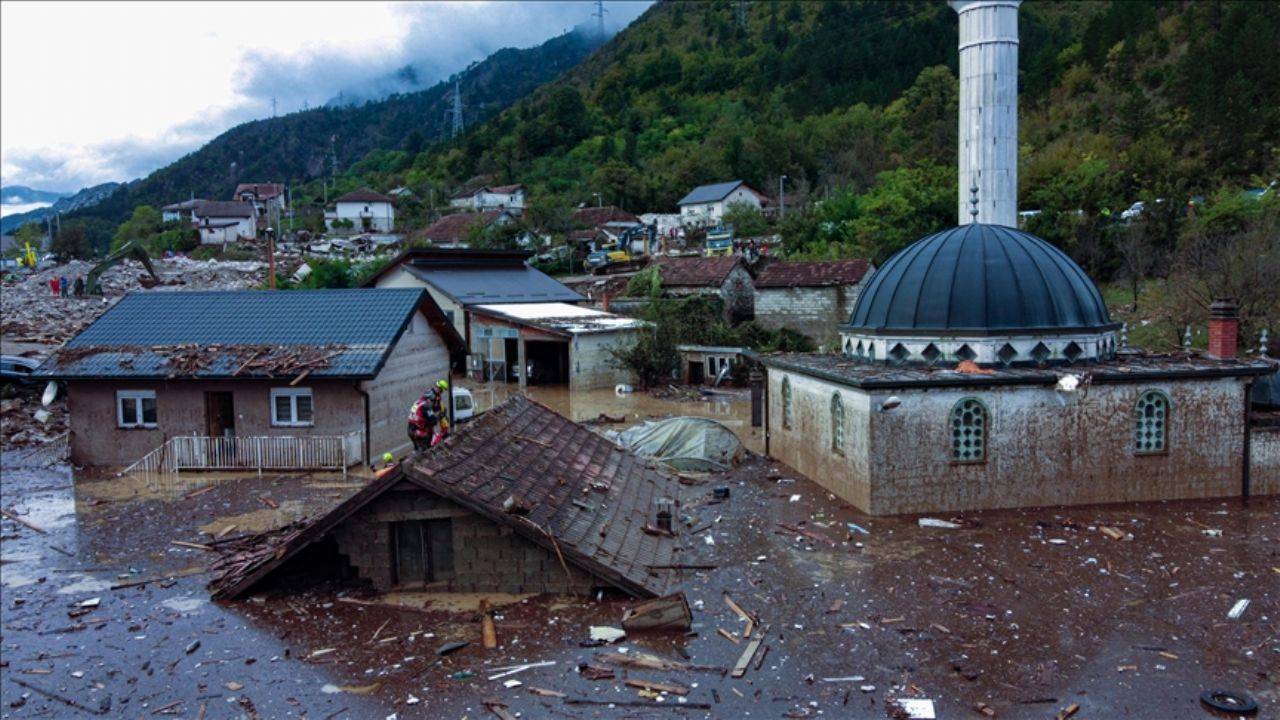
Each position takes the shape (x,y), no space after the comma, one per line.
(442,39)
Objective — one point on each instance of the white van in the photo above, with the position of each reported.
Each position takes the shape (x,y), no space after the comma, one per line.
(464,405)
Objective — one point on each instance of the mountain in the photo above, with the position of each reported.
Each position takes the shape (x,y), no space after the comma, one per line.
(23,195)
(85,198)
(296,147)
(1120,100)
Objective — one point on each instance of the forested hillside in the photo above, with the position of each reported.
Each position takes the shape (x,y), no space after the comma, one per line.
(855,101)
(296,147)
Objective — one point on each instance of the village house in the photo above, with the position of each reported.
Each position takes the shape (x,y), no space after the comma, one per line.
(520,500)
(264,196)
(808,297)
(236,366)
(362,211)
(709,364)
(180,211)
(223,222)
(486,199)
(519,324)
(980,367)
(724,278)
(457,229)
(705,205)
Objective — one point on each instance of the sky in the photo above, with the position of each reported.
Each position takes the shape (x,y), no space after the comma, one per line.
(109,91)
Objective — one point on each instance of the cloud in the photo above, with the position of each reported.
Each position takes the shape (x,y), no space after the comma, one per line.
(359,59)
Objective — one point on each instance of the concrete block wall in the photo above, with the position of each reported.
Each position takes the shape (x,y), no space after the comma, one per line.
(487,557)
(806,444)
(817,312)
(592,366)
(417,361)
(1264,461)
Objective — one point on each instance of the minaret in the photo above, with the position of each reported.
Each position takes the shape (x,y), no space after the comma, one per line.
(988,110)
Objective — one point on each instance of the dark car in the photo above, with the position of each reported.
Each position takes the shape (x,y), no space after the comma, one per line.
(15,374)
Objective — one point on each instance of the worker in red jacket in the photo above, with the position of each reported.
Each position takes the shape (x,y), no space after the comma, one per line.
(422,421)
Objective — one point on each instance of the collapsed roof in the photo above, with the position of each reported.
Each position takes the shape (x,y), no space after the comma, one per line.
(581,497)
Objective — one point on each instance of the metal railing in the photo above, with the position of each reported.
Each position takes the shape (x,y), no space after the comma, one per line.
(258,453)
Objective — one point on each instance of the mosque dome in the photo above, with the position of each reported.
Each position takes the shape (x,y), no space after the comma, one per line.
(988,293)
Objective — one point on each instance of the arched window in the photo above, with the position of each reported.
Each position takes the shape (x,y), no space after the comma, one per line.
(1151,416)
(786,403)
(837,424)
(969,423)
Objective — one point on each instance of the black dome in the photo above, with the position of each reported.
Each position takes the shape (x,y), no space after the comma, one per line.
(983,279)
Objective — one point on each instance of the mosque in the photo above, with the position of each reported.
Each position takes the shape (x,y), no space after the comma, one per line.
(980,367)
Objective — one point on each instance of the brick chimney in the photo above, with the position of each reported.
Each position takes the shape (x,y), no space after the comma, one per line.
(1224,328)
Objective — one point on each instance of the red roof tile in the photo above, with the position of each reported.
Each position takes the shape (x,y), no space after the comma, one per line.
(364,195)
(263,191)
(455,228)
(697,271)
(780,274)
(593,217)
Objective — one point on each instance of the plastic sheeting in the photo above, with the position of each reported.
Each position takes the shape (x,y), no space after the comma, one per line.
(684,443)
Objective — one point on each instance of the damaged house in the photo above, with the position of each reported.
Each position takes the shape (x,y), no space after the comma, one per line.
(521,500)
(808,297)
(230,367)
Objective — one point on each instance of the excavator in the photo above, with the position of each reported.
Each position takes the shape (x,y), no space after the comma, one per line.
(130,249)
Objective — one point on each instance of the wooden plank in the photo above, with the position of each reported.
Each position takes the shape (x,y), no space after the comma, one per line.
(740,668)
(655,686)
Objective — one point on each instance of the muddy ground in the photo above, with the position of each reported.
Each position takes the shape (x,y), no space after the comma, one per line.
(1025,612)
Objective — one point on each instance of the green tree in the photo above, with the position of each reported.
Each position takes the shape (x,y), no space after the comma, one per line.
(72,243)
(144,223)
(746,219)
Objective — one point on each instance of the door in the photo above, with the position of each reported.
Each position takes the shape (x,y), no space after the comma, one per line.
(219,414)
(423,551)
(511,349)
(695,372)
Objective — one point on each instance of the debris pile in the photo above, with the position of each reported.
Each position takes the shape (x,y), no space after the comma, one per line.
(32,314)
(22,425)
(190,359)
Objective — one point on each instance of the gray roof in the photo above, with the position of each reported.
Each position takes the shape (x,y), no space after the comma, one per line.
(710,193)
(219,332)
(223,209)
(499,283)
(980,278)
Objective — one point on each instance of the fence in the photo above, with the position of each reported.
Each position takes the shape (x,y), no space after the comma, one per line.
(194,452)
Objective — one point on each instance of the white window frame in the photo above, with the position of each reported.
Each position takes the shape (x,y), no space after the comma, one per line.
(137,396)
(293,393)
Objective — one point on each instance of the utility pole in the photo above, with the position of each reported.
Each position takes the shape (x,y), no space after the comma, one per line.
(599,16)
(782,204)
(272,209)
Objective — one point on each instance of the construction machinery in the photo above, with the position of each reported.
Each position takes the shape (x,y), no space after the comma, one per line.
(720,241)
(130,249)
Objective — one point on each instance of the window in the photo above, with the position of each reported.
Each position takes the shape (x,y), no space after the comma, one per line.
(786,403)
(423,550)
(1151,415)
(136,408)
(969,421)
(837,424)
(291,407)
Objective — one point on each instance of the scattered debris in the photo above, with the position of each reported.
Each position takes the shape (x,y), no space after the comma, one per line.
(451,647)
(936,523)
(607,634)
(1238,609)
(665,613)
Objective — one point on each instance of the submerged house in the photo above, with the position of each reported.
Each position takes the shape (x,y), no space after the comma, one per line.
(981,369)
(518,323)
(520,500)
(340,364)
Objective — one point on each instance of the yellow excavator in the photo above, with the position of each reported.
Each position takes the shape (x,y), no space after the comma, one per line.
(130,249)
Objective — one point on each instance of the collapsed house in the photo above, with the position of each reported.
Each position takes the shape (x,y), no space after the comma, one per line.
(521,500)
(234,366)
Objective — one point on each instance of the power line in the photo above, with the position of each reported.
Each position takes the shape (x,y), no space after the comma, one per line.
(599,16)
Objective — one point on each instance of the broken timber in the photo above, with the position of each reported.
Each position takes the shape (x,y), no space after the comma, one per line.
(753,647)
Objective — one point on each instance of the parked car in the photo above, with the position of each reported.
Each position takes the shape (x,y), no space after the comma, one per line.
(464,405)
(15,375)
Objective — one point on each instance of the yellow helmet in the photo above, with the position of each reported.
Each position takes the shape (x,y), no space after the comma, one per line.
(442,384)
(388,457)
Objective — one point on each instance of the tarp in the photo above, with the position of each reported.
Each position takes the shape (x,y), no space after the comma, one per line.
(684,443)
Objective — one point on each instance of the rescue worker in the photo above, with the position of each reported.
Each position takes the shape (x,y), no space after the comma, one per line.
(422,420)
(79,286)
(438,394)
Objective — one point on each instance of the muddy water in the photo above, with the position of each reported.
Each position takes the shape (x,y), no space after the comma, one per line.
(730,407)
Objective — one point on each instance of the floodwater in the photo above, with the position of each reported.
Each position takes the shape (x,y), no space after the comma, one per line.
(1024,612)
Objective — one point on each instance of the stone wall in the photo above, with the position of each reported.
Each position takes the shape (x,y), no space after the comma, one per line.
(180,410)
(1039,451)
(1264,461)
(413,366)
(816,312)
(487,557)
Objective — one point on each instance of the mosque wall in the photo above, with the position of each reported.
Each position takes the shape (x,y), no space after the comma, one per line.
(1042,448)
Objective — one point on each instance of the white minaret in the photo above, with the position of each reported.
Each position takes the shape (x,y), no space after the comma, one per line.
(988,110)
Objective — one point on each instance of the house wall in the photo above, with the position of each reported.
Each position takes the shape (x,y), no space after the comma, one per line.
(244,228)
(592,366)
(180,410)
(400,278)
(711,213)
(417,361)
(487,557)
(813,311)
(1264,461)
(806,444)
(382,215)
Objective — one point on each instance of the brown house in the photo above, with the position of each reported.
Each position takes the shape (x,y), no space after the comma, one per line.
(239,375)
(724,277)
(520,500)
(455,230)
(809,297)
